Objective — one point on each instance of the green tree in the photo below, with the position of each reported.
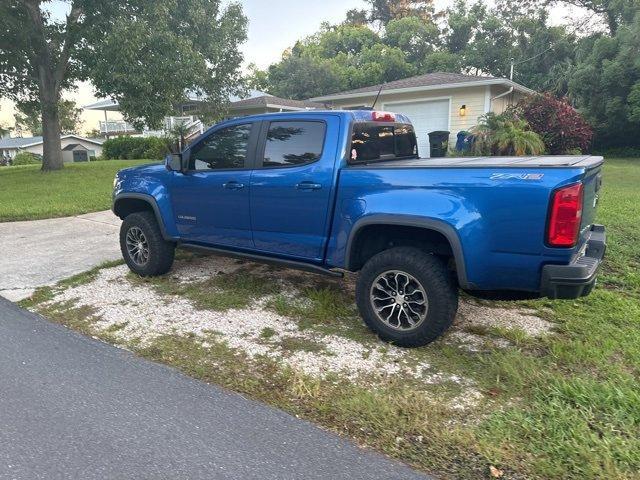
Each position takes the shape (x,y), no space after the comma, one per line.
(302,77)
(336,58)
(347,39)
(356,17)
(488,40)
(416,38)
(462,22)
(384,11)
(442,61)
(614,12)
(29,117)
(257,79)
(143,53)
(377,64)
(605,83)
(4,130)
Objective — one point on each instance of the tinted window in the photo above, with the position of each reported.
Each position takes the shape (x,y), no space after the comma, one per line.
(293,143)
(226,148)
(380,142)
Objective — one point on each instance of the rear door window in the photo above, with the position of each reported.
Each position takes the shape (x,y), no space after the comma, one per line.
(373,141)
(293,143)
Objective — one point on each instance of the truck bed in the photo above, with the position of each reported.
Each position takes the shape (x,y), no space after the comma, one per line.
(555,161)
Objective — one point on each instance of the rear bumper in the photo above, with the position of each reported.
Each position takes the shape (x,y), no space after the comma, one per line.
(579,277)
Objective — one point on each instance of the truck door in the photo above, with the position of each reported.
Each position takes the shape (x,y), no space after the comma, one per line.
(211,200)
(291,187)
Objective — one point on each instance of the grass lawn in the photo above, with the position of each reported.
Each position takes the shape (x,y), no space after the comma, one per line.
(557,406)
(26,193)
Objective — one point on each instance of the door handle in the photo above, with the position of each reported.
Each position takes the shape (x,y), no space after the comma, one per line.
(308,186)
(233,185)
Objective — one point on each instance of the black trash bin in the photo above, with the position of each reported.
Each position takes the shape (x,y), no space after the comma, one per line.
(439,142)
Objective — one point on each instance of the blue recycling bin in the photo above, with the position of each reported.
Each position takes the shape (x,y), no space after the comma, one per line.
(464,141)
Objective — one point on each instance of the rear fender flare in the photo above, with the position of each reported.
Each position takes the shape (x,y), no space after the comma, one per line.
(439,226)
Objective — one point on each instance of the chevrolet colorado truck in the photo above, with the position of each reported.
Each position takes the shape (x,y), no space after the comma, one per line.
(346,191)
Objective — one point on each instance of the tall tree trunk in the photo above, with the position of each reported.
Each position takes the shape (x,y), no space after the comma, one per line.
(612,22)
(51,146)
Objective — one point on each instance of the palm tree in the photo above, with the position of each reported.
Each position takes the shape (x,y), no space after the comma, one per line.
(179,132)
(505,134)
(514,139)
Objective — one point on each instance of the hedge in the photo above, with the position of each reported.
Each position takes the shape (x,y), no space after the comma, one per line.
(26,158)
(134,148)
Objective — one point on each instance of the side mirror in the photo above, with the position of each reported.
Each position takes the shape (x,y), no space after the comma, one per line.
(173,162)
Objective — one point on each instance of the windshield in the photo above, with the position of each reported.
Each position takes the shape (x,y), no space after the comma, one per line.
(374,141)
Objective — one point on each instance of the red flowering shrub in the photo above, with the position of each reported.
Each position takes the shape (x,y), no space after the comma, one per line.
(561,127)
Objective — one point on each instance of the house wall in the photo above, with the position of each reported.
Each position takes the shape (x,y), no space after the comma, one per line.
(499,105)
(67,155)
(97,149)
(8,152)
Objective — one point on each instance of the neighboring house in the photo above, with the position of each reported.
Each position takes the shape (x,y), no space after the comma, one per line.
(11,146)
(185,114)
(76,152)
(255,102)
(435,101)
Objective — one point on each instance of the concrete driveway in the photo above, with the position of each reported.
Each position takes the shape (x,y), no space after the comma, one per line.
(42,252)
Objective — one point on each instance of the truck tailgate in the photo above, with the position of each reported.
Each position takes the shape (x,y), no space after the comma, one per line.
(592,183)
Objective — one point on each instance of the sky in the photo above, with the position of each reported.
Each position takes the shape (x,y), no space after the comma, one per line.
(274,25)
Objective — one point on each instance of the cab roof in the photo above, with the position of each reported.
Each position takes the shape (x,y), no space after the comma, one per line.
(355,115)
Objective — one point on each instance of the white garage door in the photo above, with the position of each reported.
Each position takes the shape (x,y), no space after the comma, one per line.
(426,117)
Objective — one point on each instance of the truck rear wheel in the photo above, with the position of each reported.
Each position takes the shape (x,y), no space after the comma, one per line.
(143,248)
(406,296)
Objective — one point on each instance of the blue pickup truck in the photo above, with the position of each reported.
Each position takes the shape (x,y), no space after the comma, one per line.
(346,191)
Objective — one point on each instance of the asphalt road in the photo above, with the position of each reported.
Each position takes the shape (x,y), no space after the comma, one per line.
(75,408)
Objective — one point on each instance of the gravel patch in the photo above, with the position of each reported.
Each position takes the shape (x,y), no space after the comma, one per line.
(471,313)
(143,314)
(137,311)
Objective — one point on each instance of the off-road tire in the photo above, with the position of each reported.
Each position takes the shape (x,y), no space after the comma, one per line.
(160,252)
(435,279)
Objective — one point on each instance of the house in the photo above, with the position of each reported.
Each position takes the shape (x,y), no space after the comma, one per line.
(76,152)
(186,113)
(9,147)
(435,101)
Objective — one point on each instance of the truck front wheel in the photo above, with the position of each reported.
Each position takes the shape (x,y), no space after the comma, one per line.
(143,248)
(406,296)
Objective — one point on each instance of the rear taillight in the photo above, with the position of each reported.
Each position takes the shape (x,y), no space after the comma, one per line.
(565,216)
(383,117)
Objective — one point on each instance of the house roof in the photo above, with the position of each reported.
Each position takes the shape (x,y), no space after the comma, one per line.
(113,105)
(19,142)
(23,142)
(73,146)
(275,102)
(428,81)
